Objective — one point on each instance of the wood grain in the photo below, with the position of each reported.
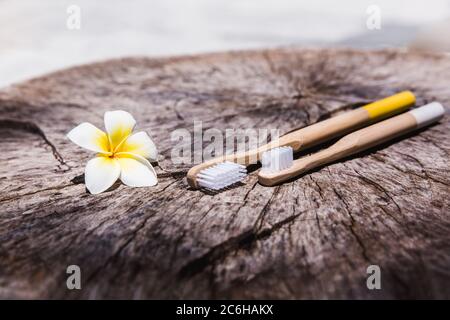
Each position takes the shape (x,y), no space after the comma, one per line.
(312,237)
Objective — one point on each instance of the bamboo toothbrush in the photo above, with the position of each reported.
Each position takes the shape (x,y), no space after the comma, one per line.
(278,165)
(223,171)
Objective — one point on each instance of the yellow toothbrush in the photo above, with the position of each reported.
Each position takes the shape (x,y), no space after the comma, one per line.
(223,171)
(278,166)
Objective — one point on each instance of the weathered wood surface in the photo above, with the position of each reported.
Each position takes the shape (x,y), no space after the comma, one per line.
(310,238)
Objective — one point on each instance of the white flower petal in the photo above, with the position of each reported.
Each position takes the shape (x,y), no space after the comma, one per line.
(140,144)
(119,125)
(136,171)
(88,136)
(101,173)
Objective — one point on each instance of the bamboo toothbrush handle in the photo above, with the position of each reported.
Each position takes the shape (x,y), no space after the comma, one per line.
(318,132)
(347,122)
(359,141)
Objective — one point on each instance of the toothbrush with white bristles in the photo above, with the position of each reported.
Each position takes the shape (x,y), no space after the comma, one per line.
(221,175)
(224,171)
(272,173)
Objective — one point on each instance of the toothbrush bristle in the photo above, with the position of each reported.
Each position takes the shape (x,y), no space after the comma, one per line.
(221,175)
(277,159)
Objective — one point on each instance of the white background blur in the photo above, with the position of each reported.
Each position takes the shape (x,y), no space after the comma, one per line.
(34,38)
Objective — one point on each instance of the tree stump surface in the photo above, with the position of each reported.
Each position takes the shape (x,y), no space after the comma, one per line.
(313,237)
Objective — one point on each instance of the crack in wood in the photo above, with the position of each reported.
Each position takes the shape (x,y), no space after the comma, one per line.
(33,128)
(220,251)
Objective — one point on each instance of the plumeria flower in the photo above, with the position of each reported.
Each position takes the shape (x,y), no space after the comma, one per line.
(119,153)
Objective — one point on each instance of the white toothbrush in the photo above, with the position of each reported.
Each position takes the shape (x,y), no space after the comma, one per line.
(226,170)
(279,167)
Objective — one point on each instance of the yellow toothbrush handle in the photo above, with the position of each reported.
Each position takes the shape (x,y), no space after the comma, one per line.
(318,132)
(347,122)
(390,105)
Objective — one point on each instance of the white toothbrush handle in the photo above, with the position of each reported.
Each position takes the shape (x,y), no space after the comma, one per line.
(359,141)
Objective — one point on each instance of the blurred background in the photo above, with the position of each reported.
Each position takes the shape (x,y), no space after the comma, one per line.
(37,37)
